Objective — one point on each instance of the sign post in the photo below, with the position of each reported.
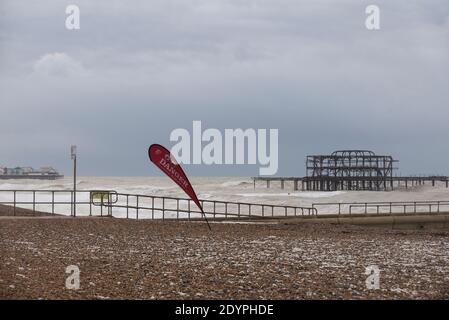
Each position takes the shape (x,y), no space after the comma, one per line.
(73,155)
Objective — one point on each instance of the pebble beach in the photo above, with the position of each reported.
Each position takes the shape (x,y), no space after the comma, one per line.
(129,259)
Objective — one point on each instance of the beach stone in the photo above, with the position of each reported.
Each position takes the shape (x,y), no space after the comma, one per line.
(128,259)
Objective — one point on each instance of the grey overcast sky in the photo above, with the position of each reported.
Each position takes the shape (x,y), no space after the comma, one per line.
(136,70)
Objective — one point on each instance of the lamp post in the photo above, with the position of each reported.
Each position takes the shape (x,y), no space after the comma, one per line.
(73,154)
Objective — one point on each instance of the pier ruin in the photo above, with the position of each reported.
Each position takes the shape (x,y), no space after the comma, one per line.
(352,170)
(349,170)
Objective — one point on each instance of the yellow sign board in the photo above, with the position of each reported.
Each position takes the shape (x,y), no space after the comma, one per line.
(100,197)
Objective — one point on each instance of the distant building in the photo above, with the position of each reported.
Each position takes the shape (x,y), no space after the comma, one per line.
(14,171)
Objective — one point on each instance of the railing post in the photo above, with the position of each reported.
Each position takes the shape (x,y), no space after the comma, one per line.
(34,202)
(90,205)
(177,209)
(101,207)
(14,202)
(74,203)
(226,210)
(53,202)
(127,206)
(188,207)
(137,207)
(109,205)
(152,208)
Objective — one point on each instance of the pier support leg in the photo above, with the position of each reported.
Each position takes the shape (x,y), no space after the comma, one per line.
(282,184)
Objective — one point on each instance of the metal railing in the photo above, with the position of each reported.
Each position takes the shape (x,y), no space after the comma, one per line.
(49,201)
(125,205)
(95,202)
(384,207)
(158,207)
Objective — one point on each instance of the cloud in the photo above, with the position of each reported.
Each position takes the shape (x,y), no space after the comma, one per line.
(58,64)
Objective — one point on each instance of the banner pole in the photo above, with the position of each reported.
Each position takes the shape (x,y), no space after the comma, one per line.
(205,218)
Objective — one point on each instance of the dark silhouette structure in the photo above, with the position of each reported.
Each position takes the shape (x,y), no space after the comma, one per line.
(349,170)
(352,170)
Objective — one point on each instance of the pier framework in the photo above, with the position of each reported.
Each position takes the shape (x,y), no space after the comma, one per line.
(349,170)
(352,170)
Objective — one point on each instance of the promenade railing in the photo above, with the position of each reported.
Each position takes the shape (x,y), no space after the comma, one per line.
(126,205)
(383,207)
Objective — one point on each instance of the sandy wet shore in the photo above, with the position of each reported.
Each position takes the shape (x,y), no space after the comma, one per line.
(120,259)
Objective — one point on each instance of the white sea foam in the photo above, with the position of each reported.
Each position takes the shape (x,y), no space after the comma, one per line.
(236,183)
(316,194)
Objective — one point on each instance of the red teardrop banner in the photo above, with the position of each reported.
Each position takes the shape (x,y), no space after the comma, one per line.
(163,159)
